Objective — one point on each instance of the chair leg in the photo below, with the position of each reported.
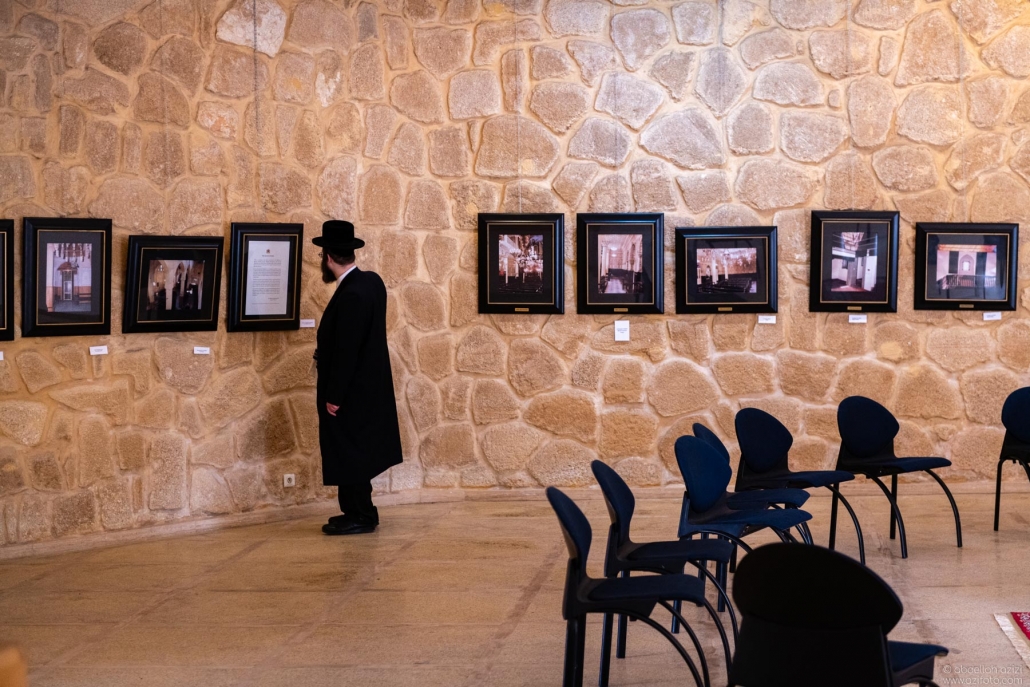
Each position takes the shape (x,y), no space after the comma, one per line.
(720,572)
(573,627)
(620,636)
(833,516)
(894,496)
(722,595)
(997,495)
(581,646)
(679,647)
(675,626)
(607,628)
(895,514)
(954,507)
(706,676)
(733,559)
(854,520)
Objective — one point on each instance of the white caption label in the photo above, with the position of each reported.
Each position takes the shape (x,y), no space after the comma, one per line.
(98,350)
(1,355)
(307,324)
(201,350)
(858,319)
(622,330)
(767,319)
(990,316)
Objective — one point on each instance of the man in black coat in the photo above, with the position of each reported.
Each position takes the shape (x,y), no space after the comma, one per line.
(358,431)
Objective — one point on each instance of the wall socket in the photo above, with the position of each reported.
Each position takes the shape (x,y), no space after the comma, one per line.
(289,480)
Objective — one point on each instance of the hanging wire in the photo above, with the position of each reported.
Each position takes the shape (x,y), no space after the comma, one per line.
(522,88)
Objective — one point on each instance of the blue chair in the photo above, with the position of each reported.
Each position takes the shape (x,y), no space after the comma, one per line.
(635,597)
(1015,415)
(813,617)
(764,464)
(867,432)
(624,556)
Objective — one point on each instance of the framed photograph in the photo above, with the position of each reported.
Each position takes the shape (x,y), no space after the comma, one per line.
(966,266)
(854,262)
(619,263)
(521,263)
(172,284)
(7,280)
(264,276)
(66,277)
(726,269)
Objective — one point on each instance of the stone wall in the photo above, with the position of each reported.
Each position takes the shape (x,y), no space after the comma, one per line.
(410,117)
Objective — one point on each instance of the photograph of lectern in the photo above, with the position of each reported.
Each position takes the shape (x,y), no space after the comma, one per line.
(854,262)
(619,263)
(726,269)
(966,266)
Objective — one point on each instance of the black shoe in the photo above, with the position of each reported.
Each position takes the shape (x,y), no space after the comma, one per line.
(339,520)
(352,527)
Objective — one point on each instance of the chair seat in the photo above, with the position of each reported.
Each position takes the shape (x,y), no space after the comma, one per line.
(910,660)
(899,466)
(649,587)
(777,519)
(681,550)
(760,498)
(819,478)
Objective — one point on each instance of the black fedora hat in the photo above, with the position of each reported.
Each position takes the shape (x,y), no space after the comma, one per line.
(338,234)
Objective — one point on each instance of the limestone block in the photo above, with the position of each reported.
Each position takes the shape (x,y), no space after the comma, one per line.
(533,157)
(866,378)
(295,369)
(977,449)
(40,28)
(523,196)
(611,194)
(957,349)
(156,411)
(182,60)
(652,186)
(687,138)
(481,351)
(896,341)
(841,338)
(984,393)
(366,73)
(456,391)
(209,493)
(44,469)
(194,203)
(884,14)
(575,17)
(427,207)
(871,107)
(395,32)
(565,412)
(258,24)
(132,450)
(695,22)
(924,391)
(380,195)
(490,36)
(206,158)
(436,355)
(761,48)
(216,452)
(423,306)
(235,73)
(1014,345)
(164,157)
(168,17)
(120,47)
(600,140)
(421,11)
(592,59)
(788,83)
(679,387)
(330,78)
(720,80)
(441,50)
(639,34)
(567,333)
(807,14)
(247,486)
(973,156)
(101,146)
(810,453)
(449,446)
(702,191)
(37,372)
(493,401)
(626,433)
(648,337)
(464,299)
(672,70)
(932,206)
(743,373)
(624,380)
(786,410)
(513,78)
(167,478)
(822,422)
(806,375)
(932,114)
(74,514)
(471,197)
(750,129)
(767,184)
(266,433)
(232,395)
(533,367)
(931,51)
(690,339)
(840,53)
(681,428)
(849,183)
(12,477)
(986,100)
(905,168)
(1000,197)
(562,463)
(449,152)
(16,178)
(423,402)
(586,371)
(179,367)
(559,105)
(416,95)
(811,137)
(441,256)
(629,99)
(549,63)
(1010,52)
(337,187)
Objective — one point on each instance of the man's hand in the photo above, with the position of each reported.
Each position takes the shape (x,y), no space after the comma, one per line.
(332,409)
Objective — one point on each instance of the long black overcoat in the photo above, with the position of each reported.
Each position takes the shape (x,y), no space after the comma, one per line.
(364,438)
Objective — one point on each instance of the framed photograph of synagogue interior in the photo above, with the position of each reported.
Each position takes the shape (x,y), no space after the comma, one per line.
(172,284)
(619,263)
(726,269)
(521,263)
(264,276)
(66,287)
(7,280)
(966,266)
(854,261)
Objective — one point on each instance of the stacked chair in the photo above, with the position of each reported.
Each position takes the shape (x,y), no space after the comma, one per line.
(867,432)
(1015,415)
(764,447)
(813,617)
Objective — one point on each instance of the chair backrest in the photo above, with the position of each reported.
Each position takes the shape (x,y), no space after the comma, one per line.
(867,429)
(710,438)
(574,525)
(617,496)
(705,473)
(764,441)
(1015,414)
(811,617)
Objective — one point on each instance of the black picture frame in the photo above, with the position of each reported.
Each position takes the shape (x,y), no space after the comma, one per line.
(645,270)
(7,280)
(530,277)
(726,270)
(279,306)
(842,279)
(172,284)
(959,285)
(74,307)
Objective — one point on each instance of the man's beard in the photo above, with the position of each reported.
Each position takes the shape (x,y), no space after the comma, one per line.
(327,274)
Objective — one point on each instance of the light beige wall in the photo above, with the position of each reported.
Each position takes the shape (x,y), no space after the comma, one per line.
(410,117)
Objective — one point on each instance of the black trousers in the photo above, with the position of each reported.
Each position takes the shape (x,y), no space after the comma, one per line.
(356,502)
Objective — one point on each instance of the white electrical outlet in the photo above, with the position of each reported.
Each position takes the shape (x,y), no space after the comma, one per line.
(289,480)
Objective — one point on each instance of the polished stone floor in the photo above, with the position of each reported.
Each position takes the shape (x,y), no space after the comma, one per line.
(455,594)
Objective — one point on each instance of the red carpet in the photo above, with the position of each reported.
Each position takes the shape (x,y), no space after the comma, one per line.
(1016,627)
